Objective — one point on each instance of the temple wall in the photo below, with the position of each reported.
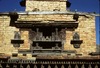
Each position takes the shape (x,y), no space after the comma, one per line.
(86,30)
(45,17)
(86,27)
(6,34)
(45,6)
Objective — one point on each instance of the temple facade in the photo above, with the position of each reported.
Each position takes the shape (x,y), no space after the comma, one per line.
(47,30)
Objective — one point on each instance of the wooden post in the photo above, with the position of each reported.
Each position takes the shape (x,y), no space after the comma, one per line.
(96,66)
(83,66)
(28,66)
(90,66)
(62,66)
(1,66)
(56,66)
(7,66)
(49,66)
(76,66)
(42,66)
(35,66)
(69,66)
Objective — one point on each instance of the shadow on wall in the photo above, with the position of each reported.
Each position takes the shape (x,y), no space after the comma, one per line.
(98,48)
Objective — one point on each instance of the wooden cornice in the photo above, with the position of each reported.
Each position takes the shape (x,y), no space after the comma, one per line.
(34,24)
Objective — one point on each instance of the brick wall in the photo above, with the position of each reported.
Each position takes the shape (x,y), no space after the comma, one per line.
(86,29)
(45,17)
(6,34)
(45,5)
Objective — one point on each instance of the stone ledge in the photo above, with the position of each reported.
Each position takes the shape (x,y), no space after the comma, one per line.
(51,12)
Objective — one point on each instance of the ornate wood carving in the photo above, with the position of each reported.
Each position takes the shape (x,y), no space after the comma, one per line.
(17,40)
(76,40)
